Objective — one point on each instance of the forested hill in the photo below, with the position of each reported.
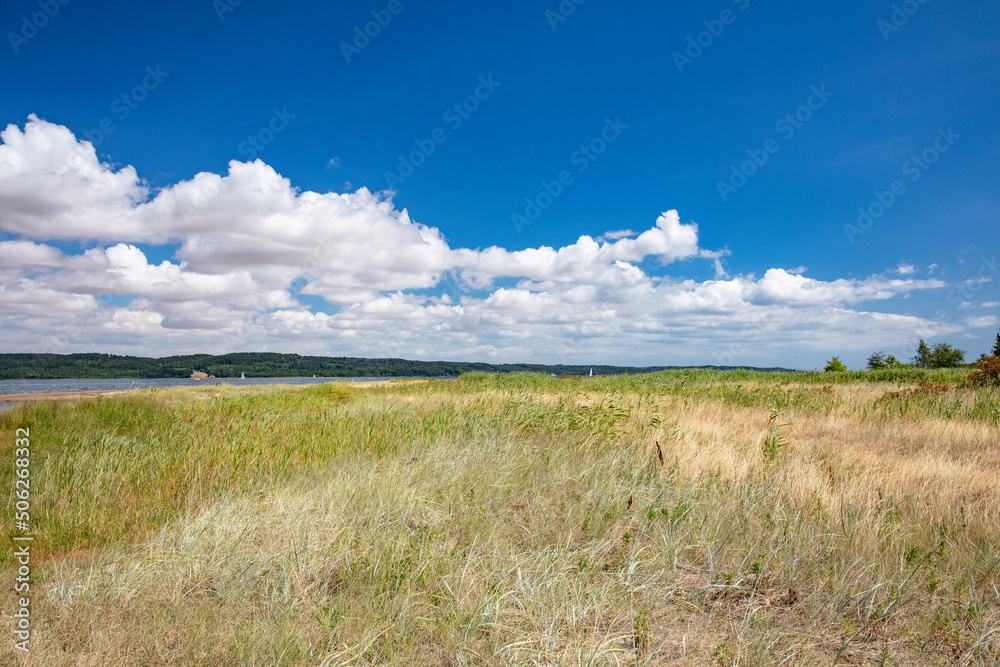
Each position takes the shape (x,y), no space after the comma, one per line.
(265,364)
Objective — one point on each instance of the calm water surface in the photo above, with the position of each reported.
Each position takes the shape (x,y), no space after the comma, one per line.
(8,387)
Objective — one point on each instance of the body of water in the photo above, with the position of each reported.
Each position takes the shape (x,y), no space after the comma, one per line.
(8,387)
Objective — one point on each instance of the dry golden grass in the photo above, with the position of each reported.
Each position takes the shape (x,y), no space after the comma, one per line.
(523,520)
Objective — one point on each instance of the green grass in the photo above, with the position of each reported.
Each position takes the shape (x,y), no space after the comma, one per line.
(520,519)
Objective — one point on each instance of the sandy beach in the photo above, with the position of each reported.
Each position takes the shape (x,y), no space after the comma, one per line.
(55,396)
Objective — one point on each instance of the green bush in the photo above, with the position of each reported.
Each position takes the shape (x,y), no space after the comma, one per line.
(835,365)
(941,355)
(880,360)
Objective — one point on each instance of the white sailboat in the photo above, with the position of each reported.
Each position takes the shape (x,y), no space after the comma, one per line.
(591,372)
(242,376)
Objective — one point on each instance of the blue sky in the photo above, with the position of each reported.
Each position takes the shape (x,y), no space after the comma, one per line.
(642,108)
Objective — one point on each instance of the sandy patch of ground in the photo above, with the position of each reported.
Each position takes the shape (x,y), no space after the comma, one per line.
(55,396)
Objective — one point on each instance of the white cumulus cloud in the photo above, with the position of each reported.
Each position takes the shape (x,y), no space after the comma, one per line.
(254,254)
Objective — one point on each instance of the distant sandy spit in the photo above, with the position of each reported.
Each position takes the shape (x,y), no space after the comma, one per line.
(73,395)
(56,396)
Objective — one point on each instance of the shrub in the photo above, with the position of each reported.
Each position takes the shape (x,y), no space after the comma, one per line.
(879,360)
(835,365)
(942,355)
(987,373)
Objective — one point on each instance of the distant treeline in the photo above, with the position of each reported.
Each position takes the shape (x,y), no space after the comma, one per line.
(269,364)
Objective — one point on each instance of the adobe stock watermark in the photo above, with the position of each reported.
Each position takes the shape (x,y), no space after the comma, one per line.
(223,7)
(714,28)
(59,340)
(363,37)
(22,521)
(403,343)
(989,267)
(915,168)
(574,345)
(126,103)
(250,326)
(786,127)
(31,25)
(581,158)
(750,333)
(201,199)
(454,116)
(251,146)
(562,13)
(899,17)
(255,143)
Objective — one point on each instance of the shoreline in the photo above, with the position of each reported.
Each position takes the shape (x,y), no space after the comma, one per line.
(91,393)
(56,395)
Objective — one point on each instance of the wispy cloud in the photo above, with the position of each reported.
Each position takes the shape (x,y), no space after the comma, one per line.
(984,321)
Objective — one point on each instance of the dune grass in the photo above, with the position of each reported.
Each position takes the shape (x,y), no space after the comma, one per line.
(684,517)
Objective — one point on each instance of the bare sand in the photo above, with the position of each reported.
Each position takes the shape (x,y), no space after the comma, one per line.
(73,395)
(55,396)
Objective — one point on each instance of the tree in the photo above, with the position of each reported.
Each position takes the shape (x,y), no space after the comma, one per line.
(996,347)
(941,355)
(876,361)
(922,359)
(835,365)
(944,355)
(879,360)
